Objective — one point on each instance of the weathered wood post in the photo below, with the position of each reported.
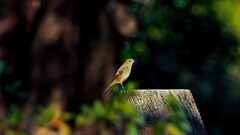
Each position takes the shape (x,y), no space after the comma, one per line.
(152,104)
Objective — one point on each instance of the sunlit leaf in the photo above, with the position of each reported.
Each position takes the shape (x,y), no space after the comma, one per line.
(46,114)
(173,130)
(80,120)
(132,129)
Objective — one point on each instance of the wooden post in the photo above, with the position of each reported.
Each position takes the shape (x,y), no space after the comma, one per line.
(152,104)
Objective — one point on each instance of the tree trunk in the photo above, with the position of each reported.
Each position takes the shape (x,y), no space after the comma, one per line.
(153,106)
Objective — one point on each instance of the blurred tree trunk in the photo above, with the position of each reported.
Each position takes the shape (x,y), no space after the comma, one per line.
(63,51)
(73,50)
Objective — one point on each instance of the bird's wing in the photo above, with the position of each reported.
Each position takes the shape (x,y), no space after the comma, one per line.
(116,79)
(120,71)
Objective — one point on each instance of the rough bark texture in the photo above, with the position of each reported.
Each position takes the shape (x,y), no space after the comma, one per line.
(152,104)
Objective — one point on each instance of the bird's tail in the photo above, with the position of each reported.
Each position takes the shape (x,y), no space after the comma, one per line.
(113,83)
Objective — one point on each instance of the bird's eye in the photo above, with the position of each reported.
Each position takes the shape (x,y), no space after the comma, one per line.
(129,61)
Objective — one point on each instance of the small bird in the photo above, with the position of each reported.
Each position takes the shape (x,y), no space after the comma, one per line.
(122,73)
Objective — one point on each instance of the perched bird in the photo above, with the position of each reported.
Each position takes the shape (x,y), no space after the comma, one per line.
(122,73)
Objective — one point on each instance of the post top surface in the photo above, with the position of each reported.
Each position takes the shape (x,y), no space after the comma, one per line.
(162,90)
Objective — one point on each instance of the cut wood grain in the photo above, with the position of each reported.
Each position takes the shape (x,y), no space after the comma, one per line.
(153,106)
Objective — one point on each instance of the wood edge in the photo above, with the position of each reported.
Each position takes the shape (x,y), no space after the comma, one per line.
(142,90)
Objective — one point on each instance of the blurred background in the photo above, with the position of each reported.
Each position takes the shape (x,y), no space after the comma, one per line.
(65,52)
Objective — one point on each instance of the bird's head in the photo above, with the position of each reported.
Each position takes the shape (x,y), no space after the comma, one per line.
(129,61)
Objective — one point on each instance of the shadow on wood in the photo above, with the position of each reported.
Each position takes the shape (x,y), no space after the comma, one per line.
(152,104)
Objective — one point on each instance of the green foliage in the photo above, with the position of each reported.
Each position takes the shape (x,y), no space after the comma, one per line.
(12,122)
(132,129)
(14,116)
(227,12)
(111,115)
(199,10)
(45,115)
(132,85)
(68,116)
(117,113)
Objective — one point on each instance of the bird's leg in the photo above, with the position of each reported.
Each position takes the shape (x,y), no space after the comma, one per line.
(122,86)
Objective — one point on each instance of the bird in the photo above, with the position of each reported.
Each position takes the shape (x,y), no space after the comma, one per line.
(122,74)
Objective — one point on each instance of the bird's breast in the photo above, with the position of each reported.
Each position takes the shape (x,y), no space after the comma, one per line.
(126,73)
